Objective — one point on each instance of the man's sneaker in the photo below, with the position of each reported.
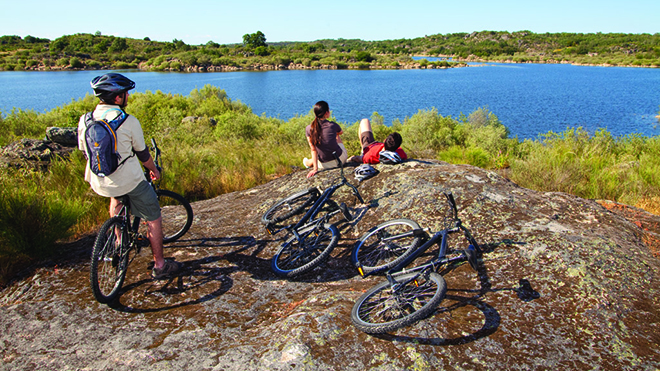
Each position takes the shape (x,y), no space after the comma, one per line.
(170,266)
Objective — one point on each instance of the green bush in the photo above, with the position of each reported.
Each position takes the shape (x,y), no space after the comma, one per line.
(76,63)
(175,65)
(428,130)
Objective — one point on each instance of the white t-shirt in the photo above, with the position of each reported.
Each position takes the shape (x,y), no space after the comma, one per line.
(129,138)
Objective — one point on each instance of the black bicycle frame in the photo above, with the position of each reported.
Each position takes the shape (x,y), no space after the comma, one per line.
(320,202)
(438,237)
(132,228)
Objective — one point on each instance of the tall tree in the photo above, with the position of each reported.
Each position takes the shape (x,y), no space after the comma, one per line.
(254,40)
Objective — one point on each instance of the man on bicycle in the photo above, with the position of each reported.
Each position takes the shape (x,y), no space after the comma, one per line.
(374,152)
(112,90)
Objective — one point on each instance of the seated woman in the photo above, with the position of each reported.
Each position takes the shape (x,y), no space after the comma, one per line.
(323,138)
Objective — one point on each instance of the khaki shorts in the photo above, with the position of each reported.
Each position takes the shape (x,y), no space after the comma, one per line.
(144,202)
(333,164)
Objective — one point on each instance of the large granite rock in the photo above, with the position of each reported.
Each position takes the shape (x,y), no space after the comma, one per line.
(67,136)
(32,153)
(563,283)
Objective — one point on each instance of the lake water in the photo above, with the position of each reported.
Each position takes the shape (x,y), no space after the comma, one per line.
(528,98)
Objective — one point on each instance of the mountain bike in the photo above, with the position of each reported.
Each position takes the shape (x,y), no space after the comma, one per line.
(312,238)
(409,294)
(121,238)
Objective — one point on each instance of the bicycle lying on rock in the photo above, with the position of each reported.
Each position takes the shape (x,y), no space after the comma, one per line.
(408,295)
(122,236)
(313,237)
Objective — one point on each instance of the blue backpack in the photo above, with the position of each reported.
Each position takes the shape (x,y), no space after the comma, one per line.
(101,143)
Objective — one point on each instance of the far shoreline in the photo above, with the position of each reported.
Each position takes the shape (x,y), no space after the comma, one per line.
(456,62)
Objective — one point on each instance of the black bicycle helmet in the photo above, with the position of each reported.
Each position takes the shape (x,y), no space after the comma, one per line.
(110,85)
(389,157)
(365,171)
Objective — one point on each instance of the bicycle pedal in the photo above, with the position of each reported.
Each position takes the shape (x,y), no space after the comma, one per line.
(346,212)
(471,256)
(143,241)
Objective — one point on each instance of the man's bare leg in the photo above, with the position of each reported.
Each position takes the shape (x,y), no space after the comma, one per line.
(365,126)
(155,236)
(115,205)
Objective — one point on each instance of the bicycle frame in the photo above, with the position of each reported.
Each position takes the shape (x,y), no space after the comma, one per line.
(155,185)
(132,228)
(308,218)
(441,238)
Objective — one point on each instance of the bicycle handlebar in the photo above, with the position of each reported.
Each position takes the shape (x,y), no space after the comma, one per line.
(156,153)
(156,158)
(344,180)
(452,203)
(339,163)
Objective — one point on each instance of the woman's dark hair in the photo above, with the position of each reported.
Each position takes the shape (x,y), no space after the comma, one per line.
(393,141)
(320,109)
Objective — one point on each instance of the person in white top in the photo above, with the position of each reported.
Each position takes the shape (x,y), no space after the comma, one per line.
(112,91)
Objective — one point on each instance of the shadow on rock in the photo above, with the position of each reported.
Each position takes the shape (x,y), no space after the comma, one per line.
(441,328)
(194,285)
(453,322)
(199,280)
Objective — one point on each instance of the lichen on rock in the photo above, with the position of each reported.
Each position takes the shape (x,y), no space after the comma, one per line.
(563,283)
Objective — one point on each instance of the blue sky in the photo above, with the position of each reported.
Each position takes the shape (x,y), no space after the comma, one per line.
(225,22)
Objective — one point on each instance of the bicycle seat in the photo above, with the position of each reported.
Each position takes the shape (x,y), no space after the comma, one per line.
(125,200)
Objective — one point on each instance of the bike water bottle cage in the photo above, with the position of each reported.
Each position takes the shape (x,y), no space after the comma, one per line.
(389,157)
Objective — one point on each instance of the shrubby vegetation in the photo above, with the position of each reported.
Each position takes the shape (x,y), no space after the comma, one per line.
(99,51)
(237,150)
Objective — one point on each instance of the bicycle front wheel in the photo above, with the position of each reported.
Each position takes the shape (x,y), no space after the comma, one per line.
(177,214)
(109,260)
(290,206)
(385,246)
(385,307)
(297,256)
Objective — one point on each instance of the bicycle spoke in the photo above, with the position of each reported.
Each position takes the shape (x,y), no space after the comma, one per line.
(301,254)
(108,267)
(386,245)
(392,304)
(298,255)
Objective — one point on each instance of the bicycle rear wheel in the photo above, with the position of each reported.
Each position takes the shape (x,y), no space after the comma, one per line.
(385,246)
(109,260)
(177,215)
(296,256)
(385,308)
(290,206)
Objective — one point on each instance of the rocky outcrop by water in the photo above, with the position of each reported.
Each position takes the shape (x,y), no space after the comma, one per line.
(563,283)
(32,153)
